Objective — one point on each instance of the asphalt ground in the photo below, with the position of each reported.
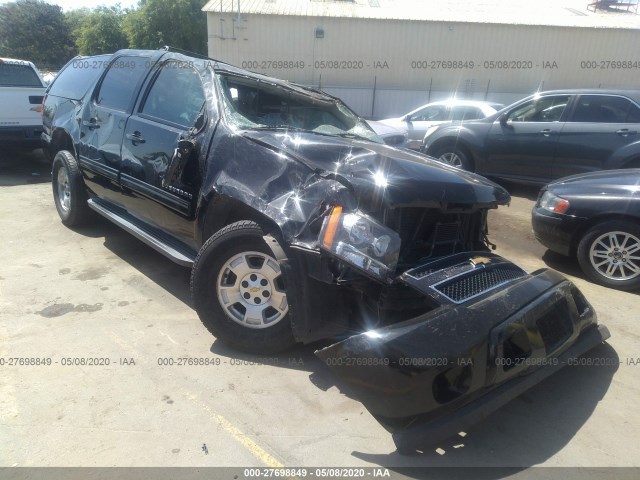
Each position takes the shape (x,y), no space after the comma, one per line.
(99,293)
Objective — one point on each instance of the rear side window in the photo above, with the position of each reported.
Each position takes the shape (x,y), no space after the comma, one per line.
(77,77)
(601,109)
(434,113)
(121,81)
(17,75)
(466,113)
(634,114)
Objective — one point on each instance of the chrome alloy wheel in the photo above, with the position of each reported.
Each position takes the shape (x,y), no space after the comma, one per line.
(616,255)
(452,159)
(63,189)
(251,290)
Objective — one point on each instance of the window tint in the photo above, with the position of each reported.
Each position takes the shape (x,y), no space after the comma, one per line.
(75,79)
(17,75)
(176,96)
(634,114)
(120,82)
(542,109)
(601,109)
(435,113)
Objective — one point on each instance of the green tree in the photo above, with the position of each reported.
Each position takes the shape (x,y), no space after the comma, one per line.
(179,23)
(98,31)
(36,31)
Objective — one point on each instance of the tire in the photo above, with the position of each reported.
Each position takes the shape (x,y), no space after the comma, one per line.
(69,191)
(609,254)
(239,292)
(454,156)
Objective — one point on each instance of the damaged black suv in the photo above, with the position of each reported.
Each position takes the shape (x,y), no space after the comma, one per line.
(300,224)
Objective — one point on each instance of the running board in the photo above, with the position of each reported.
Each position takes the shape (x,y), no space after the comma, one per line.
(156,239)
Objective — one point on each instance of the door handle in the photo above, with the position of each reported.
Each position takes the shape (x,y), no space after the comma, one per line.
(91,124)
(135,137)
(625,132)
(546,132)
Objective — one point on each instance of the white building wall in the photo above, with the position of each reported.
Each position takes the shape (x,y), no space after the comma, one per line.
(408,63)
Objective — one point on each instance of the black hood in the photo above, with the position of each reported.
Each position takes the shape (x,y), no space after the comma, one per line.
(602,183)
(396,178)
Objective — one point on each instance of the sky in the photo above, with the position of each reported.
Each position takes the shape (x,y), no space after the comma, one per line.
(73,4)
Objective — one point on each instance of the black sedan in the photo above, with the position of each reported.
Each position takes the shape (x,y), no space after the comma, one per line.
(546,136)
(596,217)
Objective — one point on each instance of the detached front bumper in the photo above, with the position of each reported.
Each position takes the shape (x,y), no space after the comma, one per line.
(430,377)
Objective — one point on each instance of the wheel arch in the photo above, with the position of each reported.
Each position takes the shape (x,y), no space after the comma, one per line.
(592,222)
(221,210)
(453,142)
(61,140)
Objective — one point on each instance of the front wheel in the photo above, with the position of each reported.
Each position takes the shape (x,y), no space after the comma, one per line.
(454,156)
(609,254)
(239,292)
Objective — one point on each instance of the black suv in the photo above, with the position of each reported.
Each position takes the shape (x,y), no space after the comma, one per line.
(546,136)
(300,224)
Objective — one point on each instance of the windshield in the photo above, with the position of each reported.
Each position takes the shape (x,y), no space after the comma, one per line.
(253,104)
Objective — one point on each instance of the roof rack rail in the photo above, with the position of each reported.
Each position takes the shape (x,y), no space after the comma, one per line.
(168,48)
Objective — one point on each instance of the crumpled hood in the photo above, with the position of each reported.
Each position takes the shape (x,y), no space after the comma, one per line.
(397,178)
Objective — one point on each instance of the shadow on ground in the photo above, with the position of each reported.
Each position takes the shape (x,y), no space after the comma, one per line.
(24,168)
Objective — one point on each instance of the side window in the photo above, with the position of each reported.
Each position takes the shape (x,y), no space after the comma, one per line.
(120,82)
(18,75)
(76,78)
(634,114)
(435,113)
(176,96)
(601,109)
(542,109)
(466,113)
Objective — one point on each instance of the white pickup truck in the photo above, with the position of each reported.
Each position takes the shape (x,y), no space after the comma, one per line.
(21,92)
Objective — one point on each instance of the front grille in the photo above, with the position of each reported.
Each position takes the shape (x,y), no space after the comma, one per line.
(460,289)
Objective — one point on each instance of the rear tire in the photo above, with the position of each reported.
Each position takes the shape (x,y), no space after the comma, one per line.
(455,156)
(609,254)
(239,293)
(69,191)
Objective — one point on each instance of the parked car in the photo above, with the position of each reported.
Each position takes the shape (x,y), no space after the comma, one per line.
(21,91)
(300,224)
(546,136)
(595,217)
(393,136)
(422,119)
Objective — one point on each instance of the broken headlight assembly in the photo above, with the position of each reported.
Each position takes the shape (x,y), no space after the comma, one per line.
(362,242)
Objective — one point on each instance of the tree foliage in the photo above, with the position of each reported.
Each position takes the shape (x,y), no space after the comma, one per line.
(36,31)
(40,32)
(98,31)
(179,23)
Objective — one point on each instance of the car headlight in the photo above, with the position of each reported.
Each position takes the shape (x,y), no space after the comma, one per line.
(361,242)
(553,203)
(430,131)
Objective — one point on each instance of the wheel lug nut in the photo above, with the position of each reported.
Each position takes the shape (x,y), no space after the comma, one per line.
(247,295)
(245,284)
(263,282)
(265,294)
(253,277)
(257,300)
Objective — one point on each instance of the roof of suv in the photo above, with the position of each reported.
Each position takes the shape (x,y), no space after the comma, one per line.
(633,94)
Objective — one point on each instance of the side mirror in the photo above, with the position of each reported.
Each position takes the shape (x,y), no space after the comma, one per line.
(504,120)
(408,119)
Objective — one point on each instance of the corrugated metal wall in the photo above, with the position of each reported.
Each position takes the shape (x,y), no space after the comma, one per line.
(385,68)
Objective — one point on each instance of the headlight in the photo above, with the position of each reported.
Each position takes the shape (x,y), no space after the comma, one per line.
(362,242)
(430,131)
(553,203)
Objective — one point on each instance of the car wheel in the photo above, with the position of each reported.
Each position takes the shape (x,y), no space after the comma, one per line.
(454,156)
(609,254)
(239,292)
(69,192)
